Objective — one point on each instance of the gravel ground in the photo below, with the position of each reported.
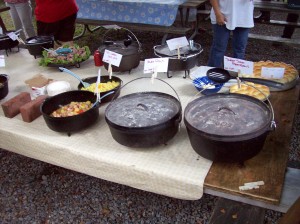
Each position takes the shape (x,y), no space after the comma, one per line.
(36,192)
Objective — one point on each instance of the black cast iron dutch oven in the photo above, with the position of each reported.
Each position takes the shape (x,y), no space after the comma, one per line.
(3,86)
(130,55)
(144,119)
(73,123)
(130,48)
(36,44)
(189,57)
(228,127)
(6,43)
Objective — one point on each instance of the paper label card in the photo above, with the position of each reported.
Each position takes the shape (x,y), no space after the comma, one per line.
(272,73)
(236,65)
(113,58)
(2,61)
(176,43)
(156,65)
(12,36)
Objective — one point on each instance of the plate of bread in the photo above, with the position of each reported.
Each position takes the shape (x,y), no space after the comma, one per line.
(257,91)
(289,79)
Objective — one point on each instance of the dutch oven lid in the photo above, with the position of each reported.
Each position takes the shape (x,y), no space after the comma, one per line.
(164,50)
(120,48)
(39,39)
(228,115)
(143,109)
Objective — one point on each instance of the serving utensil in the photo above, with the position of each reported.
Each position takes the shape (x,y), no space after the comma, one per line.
(98,100)
(220,75)
(85,84)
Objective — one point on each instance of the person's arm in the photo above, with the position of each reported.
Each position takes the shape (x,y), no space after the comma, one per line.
(221,20)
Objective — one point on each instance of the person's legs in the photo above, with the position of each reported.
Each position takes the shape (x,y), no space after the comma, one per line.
(219,45)
(66,29)
(239,42)
(25,14)
(289,30)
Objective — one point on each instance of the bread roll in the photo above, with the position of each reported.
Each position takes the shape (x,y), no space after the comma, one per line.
(260,92)
(290,72)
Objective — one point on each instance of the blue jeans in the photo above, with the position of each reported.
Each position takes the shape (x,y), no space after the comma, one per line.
(220,41)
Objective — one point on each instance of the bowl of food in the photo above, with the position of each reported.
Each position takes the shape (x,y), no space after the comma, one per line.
(65,56)
(106,85)
(70,111)
(207,86)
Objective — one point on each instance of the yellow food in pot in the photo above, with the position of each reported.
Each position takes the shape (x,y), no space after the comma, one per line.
(102,87)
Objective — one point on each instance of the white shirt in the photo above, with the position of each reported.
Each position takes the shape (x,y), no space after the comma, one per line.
(239,13)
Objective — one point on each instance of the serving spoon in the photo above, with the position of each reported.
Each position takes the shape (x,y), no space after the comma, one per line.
(85,84)
(220,75)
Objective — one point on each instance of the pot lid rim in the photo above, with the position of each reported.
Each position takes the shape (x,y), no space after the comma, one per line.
(266,125)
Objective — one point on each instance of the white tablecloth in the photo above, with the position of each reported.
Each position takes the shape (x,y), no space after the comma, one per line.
(174,170)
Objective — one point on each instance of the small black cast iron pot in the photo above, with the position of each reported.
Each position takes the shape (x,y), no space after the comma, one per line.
(188,59)
(142,136)
(228,127)
(6,43)
(73,123)
(105,79)
(3,86)
(36,44)
(130,55)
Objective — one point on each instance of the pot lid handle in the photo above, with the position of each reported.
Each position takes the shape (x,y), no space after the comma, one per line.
(115,28)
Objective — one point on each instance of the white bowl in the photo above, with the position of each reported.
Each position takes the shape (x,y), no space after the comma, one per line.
(58,87)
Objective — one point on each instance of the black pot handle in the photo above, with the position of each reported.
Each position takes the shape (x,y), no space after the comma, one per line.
(273,123)
(147,78)
(5,75)
(106,32)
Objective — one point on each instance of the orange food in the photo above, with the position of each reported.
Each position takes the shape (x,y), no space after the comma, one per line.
(72,109)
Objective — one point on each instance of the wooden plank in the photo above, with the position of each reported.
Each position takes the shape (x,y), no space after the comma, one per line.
(227,212)
(269,165)
(137,26)
(292,216)
(274,6)
(193,4)
(274,39)
(279,23)
(3,9)
(291,187)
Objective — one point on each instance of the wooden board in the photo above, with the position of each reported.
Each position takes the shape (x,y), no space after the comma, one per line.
(274,6)
(292,216)
(269,165)
(227,212)
(274,39)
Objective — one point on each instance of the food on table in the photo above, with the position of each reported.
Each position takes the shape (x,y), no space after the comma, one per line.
(258,91)
(71,109)
(290,72)
(77,54)
(102,87)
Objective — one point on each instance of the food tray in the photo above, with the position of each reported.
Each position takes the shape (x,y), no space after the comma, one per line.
(67,65)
